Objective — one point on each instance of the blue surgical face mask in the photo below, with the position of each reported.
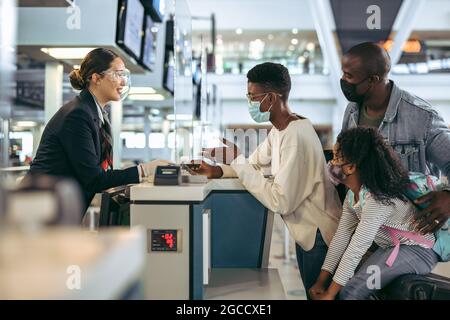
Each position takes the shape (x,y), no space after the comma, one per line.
(255,112)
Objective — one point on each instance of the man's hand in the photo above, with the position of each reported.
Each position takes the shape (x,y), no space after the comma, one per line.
(223,155)
(433,217)
(212,172)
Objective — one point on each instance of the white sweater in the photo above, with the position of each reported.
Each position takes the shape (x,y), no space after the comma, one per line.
(300,189)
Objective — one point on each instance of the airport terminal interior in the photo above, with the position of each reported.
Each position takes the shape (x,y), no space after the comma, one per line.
(125,194)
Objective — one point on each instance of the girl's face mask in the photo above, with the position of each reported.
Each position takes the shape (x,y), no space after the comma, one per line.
(336,174)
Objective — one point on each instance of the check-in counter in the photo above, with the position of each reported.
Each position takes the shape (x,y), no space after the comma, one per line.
(195,231)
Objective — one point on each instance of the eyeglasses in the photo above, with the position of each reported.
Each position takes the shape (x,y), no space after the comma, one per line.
(117,75)
(250,96)
(338,162)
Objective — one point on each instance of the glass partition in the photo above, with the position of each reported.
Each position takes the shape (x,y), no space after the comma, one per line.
(183,113)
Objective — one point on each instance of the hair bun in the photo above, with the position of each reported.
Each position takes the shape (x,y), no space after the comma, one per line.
(76,80)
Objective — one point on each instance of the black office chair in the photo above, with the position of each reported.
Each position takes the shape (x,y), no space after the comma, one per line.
(115,207)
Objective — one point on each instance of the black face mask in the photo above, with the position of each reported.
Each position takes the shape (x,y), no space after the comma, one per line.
(349,91)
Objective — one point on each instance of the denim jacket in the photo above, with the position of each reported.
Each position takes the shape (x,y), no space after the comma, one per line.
(416,132)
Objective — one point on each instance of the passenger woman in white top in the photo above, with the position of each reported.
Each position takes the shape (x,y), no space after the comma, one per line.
(300,190)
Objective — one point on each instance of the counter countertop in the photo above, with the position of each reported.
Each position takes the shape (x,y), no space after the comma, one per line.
(184,192)
(40,265)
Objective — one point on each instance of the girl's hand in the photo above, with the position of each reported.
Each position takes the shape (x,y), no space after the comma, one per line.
(316,290)
(325,296)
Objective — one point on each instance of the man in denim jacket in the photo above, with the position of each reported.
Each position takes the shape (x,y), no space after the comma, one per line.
(416,131)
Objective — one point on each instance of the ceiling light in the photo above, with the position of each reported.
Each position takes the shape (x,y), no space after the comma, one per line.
(179,117)
(154,29)
(67,53)
(256,49)
(142,90)
(292,48)
(294,30)
(238,31)
(310,46)
(410,46)
(294,41)
(146,97)
(27,124)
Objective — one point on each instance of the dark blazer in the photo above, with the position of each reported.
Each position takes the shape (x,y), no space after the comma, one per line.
(70,147)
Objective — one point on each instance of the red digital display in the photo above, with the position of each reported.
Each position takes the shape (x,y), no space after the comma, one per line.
(169,239)
(164,240)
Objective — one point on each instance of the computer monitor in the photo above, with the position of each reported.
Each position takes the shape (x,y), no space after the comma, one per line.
(169,62)
(130,23)
(148,54)
(169,81)
(156,9)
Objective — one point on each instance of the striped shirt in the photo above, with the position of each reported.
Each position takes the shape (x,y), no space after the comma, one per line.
(360,225)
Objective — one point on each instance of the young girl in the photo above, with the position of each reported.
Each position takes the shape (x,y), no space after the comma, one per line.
(375,209)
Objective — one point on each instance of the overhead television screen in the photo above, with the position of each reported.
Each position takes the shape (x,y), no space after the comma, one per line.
(148,55)
(130,26)
(156,8)
(169,79)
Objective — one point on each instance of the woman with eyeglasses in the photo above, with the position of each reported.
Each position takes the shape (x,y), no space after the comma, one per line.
(77,141)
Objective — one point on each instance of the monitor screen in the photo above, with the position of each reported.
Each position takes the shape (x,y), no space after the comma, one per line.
(169,78)
(130,23)
(159,7)
(169,63)
(148,56)
(156,8)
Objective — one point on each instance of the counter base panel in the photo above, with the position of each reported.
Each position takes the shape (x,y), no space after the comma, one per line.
(244,284)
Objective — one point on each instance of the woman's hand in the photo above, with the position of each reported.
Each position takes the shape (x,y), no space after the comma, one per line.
(212,172)
(148,168)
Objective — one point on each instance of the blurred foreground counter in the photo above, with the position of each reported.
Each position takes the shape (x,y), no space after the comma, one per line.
(71,263)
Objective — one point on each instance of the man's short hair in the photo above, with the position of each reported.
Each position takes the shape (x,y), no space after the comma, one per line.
(374,58)
(273,76)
